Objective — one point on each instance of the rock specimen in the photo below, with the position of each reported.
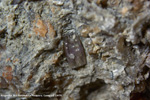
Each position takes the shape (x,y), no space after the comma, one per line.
(75,49)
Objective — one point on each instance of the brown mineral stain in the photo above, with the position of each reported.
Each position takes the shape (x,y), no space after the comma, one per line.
(29,36)
(98,2)
(15,60)
(47,75)
(7,74)
(104,57)
(40,28)
(30,77)
(51,30)
(102,2)
(8,59)
(89,31)
(124,10)
(8,68)
(137,5)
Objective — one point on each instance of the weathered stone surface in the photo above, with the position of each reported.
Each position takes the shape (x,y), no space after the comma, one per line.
(113,38)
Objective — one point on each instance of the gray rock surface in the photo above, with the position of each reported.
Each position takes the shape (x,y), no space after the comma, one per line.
(40,54)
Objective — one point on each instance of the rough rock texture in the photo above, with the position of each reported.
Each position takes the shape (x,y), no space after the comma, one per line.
(80,49)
